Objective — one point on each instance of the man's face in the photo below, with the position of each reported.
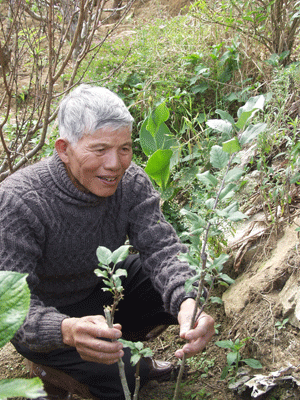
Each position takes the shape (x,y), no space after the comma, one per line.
(97,162)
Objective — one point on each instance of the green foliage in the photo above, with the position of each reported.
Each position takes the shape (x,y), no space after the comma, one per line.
(234,357)
(221,184)
(158,144)
(281,324)
(200,394)
(30,388)
(14,305)
(137,350)
(201,364)
(15,299)
(274,25)
(111,277)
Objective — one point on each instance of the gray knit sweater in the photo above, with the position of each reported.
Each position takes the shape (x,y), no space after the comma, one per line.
(51,230)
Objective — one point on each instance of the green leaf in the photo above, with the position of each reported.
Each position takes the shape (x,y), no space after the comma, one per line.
(226,278)
(220,125)
(254,103)
(210,203)
(147,352)
(237,216)
(220,261)
(215,299)
(252,363)
(164,140)
(147,141)
(249,109)
(188,286)
(234,174)
(228,191)
(104,255)
(225,116)
(14,303)
(30,388)
(231,146)
(186,257)
(158,167)
(201,88)
(135,358)
(151,126)
(251,132)
(139,345)
(120,272)
(120,254)
(232,358)
(161,114)
(225,372)
(218,158)
(208,179)
(225,344)
(101,273)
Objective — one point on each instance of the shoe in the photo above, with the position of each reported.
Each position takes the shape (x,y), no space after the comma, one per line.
(160,371)
(155,332)
(57,384)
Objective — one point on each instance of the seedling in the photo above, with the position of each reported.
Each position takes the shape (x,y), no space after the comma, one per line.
(222,186)
(234,357)
(281,324)
(112,279)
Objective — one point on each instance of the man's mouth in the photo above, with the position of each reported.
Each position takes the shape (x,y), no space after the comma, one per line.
(107,179)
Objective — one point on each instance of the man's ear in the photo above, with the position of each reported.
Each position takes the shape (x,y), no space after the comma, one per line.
(61,146)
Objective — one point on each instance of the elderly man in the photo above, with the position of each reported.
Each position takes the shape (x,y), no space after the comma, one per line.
(56,213)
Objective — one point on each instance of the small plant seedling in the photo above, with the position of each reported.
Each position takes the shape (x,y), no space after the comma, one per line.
(234,356)
(281,324)
(112,279)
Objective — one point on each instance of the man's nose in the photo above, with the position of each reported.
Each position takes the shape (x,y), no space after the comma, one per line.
(112,161)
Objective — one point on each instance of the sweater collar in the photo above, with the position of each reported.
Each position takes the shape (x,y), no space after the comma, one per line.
(67,190)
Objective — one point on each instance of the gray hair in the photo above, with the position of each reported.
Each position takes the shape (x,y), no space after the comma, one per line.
(89,108)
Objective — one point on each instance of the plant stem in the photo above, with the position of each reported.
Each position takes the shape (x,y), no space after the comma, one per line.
(120,361)
(201,282)
(137,381)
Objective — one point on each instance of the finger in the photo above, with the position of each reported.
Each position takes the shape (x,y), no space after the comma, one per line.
(192,348)
(204,328)
(99,357)
(101,330)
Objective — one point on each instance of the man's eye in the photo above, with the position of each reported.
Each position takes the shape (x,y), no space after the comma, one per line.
(126,149)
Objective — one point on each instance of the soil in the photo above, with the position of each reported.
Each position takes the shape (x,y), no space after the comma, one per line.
(275,347)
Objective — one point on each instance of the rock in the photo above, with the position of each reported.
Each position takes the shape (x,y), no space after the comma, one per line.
(289,298)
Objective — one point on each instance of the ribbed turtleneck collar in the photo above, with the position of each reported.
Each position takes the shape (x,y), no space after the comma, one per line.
(67,190)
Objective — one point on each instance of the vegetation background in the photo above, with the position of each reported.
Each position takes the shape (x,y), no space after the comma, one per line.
(197,58)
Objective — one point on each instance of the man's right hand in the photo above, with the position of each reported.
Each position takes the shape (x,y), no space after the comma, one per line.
(87,334)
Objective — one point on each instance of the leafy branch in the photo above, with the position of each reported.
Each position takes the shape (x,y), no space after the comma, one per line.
(112,279)
(221,159)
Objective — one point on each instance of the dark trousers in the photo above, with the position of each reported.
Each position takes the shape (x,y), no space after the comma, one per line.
(140,311)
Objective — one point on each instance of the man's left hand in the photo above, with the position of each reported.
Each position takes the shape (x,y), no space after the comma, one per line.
(199,336)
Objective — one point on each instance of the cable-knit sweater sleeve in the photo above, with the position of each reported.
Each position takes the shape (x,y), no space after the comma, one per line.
(22,240)
(157,242)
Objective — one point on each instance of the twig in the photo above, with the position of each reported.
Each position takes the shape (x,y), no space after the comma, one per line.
(120,361)
(137,381)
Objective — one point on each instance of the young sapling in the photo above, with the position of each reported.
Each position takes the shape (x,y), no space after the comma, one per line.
(222,191)
(112,279)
